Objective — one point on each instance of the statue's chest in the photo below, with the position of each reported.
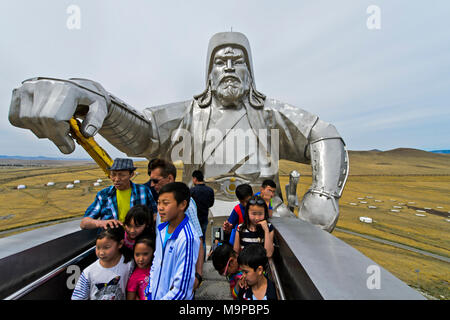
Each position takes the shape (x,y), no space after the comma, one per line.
(231,145)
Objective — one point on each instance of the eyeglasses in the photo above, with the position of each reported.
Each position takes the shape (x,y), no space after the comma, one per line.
(224,273)
(257,200)
(155,181)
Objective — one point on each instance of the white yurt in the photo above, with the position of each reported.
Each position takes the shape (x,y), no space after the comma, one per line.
(365,219)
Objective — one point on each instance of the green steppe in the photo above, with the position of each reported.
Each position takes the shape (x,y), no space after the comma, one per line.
(393,178)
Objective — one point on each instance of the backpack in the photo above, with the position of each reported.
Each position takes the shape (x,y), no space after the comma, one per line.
(238,210)
(240,214)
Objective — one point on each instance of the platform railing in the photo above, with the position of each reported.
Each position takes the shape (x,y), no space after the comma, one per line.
(308,263)
(276,280)
(36,273)
(51,275)
(314,264)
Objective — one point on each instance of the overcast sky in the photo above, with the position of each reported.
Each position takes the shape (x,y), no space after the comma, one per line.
(382,88)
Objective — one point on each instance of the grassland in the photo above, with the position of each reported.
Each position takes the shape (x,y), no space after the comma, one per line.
(39,202)
(400,178)
(382,179)
(432,278)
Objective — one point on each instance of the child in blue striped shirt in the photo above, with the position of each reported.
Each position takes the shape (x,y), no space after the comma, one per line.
(106,278)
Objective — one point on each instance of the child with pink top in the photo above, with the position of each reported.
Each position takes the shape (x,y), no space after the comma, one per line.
(143,256)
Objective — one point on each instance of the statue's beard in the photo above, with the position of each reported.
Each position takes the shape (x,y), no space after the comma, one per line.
(230,91)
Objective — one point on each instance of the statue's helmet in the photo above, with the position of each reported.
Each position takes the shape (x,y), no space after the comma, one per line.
(224,39)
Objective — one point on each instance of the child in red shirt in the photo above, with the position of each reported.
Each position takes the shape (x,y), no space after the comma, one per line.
(143,256)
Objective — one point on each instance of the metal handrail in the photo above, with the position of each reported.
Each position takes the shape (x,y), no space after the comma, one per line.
(30,287)
(276,279)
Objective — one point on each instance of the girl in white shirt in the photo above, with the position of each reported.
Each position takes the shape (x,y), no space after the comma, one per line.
(106,278)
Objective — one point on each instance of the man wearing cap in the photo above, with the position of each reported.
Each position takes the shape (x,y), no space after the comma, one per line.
(112,204)
(202,130)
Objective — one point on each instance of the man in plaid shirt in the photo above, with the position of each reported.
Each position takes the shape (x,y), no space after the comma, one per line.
(112,204)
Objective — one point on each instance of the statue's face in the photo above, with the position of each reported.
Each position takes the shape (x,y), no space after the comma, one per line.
(230,77)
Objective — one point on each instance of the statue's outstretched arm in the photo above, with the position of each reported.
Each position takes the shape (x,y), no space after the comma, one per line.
(329,161)
(45,105)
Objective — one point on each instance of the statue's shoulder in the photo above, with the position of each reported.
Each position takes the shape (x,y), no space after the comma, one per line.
(275,105)
(282,111)
(302,119)
(168,112)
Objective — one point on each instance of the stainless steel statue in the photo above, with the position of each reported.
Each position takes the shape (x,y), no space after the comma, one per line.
(230,131)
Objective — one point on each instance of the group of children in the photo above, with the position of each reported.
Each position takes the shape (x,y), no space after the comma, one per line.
(168,254)
(116,275)
(147,262)
(244,258)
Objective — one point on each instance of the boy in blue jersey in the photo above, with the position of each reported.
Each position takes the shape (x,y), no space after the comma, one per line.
(172,274)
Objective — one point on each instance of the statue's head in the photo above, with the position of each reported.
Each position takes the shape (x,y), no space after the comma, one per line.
(229,72)
(229,76)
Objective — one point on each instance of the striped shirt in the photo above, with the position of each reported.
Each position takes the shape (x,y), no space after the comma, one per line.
(172,273)
(99,283)
(234,285)
(105,207)
(250,237)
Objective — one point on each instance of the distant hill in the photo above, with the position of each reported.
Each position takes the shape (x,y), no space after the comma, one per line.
(409,152)
(441,151)
(402,151)
(43,158)
(400,161)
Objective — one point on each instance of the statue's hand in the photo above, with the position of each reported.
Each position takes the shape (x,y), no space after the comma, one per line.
(45,106)
(319,210)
